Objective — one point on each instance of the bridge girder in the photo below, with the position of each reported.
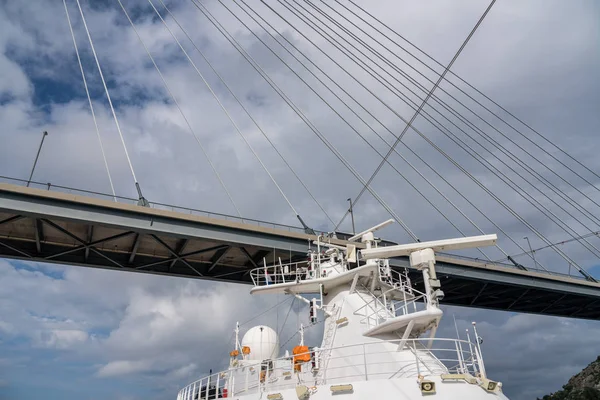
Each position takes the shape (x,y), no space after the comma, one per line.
(43,226)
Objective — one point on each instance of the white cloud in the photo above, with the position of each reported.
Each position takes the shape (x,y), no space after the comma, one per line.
(61,339)
(120,368)
(531,57)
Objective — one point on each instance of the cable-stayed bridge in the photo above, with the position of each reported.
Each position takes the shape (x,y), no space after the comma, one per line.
(49,226)
(406,109)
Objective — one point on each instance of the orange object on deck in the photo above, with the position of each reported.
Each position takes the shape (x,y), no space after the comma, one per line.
(301,354)
(234,353)
(246,350)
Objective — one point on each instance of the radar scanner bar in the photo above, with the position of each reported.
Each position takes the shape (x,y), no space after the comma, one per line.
(371,230)
(436,245)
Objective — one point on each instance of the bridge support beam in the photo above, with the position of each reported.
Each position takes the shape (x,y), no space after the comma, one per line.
(95,233)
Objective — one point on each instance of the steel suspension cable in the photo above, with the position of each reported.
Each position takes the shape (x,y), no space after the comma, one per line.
(564,226)
(588,245)
(562,254)
(248,113)
(227,113)
(596,234)
(297,50)
(478,130)
(553,188)
(416,114)
(87,92)
(343,119)
(360,83)
(333,60)
(299,112)
(191,130)
(476,90)
(354,113)
(142,200)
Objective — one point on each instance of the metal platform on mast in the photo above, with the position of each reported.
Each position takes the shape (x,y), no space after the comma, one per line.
(45,226)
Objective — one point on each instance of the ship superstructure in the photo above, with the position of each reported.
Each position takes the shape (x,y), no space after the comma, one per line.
(379,331)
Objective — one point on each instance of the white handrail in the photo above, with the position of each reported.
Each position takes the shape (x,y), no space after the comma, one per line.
(423,361)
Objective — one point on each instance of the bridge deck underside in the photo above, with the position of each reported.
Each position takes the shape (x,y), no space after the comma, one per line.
(51,227)
(66,242)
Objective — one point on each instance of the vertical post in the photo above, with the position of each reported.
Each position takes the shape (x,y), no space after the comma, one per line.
(318,269)
(475,369)
(237,336)
(532,252)
(478,351)
(459,357)
(217,386)
(207,390)
(351,211)
(416,358)
(365,361)
(36,157)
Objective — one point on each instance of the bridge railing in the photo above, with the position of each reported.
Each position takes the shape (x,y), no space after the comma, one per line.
(192,211)
(512,266)
(155,205)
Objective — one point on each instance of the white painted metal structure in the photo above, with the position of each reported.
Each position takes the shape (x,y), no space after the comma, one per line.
(379,336)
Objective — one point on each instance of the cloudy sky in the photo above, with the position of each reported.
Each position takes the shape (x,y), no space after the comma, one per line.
(68,333)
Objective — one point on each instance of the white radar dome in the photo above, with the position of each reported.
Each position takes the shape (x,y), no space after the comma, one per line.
(263,343)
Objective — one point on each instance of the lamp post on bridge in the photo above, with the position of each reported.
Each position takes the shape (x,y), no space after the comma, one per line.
(36,157)
(532,252)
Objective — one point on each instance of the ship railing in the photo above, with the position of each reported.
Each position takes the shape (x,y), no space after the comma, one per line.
(381,307)
(397,279)
(282,273)
(394,359)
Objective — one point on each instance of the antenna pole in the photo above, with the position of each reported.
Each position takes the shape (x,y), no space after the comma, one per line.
(351,211)
(237,336)
(478,349)
(36,157)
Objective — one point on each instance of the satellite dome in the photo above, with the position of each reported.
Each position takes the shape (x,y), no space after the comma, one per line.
(263,343)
